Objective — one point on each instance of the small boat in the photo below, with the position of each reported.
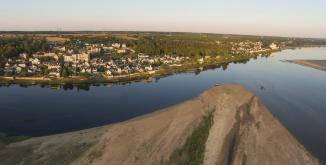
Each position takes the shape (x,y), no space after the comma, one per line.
(218,85)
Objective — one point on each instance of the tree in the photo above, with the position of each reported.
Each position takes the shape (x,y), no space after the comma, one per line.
(24,73)
(44,70)
(101,69)
(65,72)
(61,59)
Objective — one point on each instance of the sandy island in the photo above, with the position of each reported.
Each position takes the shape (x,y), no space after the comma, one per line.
(317,64)
(239,129)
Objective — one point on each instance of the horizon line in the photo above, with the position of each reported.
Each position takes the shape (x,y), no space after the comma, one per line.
(154,31)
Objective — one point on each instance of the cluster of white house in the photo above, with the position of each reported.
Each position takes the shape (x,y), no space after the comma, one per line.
(250,47)
(84,63)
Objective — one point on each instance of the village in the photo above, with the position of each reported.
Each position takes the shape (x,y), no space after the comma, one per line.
(249,47)
(62,62)
(116,59)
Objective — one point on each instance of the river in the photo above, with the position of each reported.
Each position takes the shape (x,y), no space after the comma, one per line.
(294,93)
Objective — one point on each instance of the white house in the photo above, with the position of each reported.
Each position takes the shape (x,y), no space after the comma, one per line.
(108,72)
(149,68)
(201,60)
(35,61)
(273,46)
(18,69)
(142,56)
(120,51)
(54,74)
(23,55)
(116,45)
(84,57)
(22,65)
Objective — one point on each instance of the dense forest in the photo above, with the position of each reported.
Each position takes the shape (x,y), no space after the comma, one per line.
(180,47)
(209,44)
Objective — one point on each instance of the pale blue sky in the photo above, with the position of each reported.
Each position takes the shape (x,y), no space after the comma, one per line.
(262,17)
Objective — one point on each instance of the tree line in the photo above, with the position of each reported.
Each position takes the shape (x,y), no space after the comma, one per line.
(12,47)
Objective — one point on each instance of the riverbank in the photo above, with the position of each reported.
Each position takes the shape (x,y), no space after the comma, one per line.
(194,67)
(317,64)
(235,128)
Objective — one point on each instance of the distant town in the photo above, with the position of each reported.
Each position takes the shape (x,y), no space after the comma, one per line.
(60,59)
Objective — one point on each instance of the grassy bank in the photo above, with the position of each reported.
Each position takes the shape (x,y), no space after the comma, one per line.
(6,139)
(193,151)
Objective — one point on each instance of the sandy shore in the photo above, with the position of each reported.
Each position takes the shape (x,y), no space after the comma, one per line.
(317,64)
(243,132)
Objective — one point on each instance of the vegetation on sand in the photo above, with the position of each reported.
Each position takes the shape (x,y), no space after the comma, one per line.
(193,151)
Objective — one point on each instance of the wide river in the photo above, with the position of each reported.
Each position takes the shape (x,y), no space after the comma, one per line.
(294,93)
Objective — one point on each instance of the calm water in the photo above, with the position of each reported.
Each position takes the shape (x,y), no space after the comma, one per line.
(295,94)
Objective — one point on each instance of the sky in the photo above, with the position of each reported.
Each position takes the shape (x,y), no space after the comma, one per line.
(293,18)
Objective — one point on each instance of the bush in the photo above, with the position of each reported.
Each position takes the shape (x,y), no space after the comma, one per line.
(193,151)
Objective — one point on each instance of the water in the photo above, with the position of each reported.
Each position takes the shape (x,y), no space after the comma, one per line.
(294,93)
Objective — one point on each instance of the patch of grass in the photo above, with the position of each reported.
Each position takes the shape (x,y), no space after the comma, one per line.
(64,154)
(193,151)
(6,139)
